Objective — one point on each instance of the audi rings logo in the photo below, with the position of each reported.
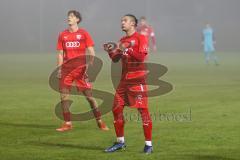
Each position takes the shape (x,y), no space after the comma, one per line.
(73,44)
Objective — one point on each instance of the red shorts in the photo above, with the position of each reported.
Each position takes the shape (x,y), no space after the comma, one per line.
(132,95)
(78,76)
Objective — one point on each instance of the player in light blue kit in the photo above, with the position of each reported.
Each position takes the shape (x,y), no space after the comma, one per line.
(208,41)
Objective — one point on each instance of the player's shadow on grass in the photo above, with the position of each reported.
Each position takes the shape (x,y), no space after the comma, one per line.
(24,125)
(76,146)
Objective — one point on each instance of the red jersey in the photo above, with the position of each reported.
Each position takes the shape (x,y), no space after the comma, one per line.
(74,44)
(134,56)
(147,31)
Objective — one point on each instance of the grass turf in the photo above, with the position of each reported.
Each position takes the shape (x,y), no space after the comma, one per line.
(208,95)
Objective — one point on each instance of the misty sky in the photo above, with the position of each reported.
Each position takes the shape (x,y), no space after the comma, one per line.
(33,25)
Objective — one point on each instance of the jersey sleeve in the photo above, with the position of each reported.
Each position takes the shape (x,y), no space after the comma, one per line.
(89,40)
(60,42)
(152,35)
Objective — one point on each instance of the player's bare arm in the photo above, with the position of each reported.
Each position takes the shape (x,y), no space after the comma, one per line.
(91,52)
(153,41)
(59,62)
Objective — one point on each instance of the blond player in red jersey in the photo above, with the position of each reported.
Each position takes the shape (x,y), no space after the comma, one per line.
(132,89)
(145,29)
(73,43)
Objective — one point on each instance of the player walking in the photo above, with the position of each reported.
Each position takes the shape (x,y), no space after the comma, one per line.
(208,41)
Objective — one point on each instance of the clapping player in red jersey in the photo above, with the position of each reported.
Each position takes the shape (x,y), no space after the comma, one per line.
(132,89)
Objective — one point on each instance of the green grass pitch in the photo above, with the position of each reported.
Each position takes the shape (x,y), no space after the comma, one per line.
(207,95)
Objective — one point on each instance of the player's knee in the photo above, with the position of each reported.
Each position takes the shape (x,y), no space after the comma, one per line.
(117,113)
(117,109)
(119,122)
(64,97)
(90,99)
(145,115)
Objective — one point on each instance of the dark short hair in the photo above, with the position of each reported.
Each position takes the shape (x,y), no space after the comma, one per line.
(75,13)
(133,17)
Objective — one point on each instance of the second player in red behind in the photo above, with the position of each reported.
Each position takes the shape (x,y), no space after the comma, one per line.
(145,29)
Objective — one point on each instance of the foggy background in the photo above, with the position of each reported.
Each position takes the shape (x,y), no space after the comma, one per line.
(32,26)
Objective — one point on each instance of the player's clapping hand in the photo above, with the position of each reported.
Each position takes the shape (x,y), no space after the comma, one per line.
(113,50)
(109,46)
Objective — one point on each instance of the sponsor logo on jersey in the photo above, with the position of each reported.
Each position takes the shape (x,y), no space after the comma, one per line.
(73,44)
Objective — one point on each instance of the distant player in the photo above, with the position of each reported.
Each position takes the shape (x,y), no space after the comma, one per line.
(131,91)
(208,42)
(145,29)
(73,43)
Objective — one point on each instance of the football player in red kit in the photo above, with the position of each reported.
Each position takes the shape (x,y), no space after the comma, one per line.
(145,29)
(73,43)
(132,89)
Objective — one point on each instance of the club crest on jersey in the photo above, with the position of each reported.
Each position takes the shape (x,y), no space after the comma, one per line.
(78,36)
(132,42)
